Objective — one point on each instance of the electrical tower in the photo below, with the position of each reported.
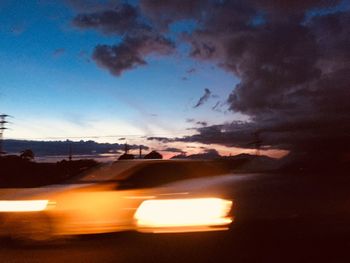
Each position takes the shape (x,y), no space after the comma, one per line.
(2,129)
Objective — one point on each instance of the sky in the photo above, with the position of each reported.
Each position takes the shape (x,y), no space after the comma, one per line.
(194,76)
(53,90)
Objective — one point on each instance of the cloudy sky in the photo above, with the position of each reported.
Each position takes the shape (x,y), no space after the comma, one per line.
(188,75)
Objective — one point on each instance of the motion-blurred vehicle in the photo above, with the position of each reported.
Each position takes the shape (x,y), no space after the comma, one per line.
(147,196)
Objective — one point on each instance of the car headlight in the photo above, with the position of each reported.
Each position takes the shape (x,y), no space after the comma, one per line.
(23,205)
(196,212)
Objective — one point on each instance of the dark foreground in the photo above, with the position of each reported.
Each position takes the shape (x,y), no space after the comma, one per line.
(279,219)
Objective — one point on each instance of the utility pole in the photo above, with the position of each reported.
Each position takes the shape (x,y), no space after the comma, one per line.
(257,142)
(140,152)
(2,129)
(70,156)
(126,148)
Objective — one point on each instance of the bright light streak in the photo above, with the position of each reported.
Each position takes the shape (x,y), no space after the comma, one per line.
(197,212)
(23,206)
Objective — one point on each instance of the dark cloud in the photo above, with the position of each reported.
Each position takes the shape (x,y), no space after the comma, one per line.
(139,39)
(92,5)
(174,150)
(237,134)
(131,52)
(216,106)
(203,99)
(202,123)
(292,59)
(294,75)
(313,135)
(161,139)
(297,89)
(283,9)
(119,20)
(167,11)
(47,148)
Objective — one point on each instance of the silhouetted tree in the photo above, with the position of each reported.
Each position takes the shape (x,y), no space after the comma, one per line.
(153,155)
(27,154)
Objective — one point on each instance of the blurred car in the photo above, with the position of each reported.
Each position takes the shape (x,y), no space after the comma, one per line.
(147,196)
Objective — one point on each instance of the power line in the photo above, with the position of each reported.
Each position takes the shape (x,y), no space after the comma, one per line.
(102,136)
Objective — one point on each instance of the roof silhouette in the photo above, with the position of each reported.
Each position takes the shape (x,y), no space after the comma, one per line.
(153,155)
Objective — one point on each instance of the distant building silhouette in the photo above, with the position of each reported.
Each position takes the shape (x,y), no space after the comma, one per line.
(153,155)
(126,156)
